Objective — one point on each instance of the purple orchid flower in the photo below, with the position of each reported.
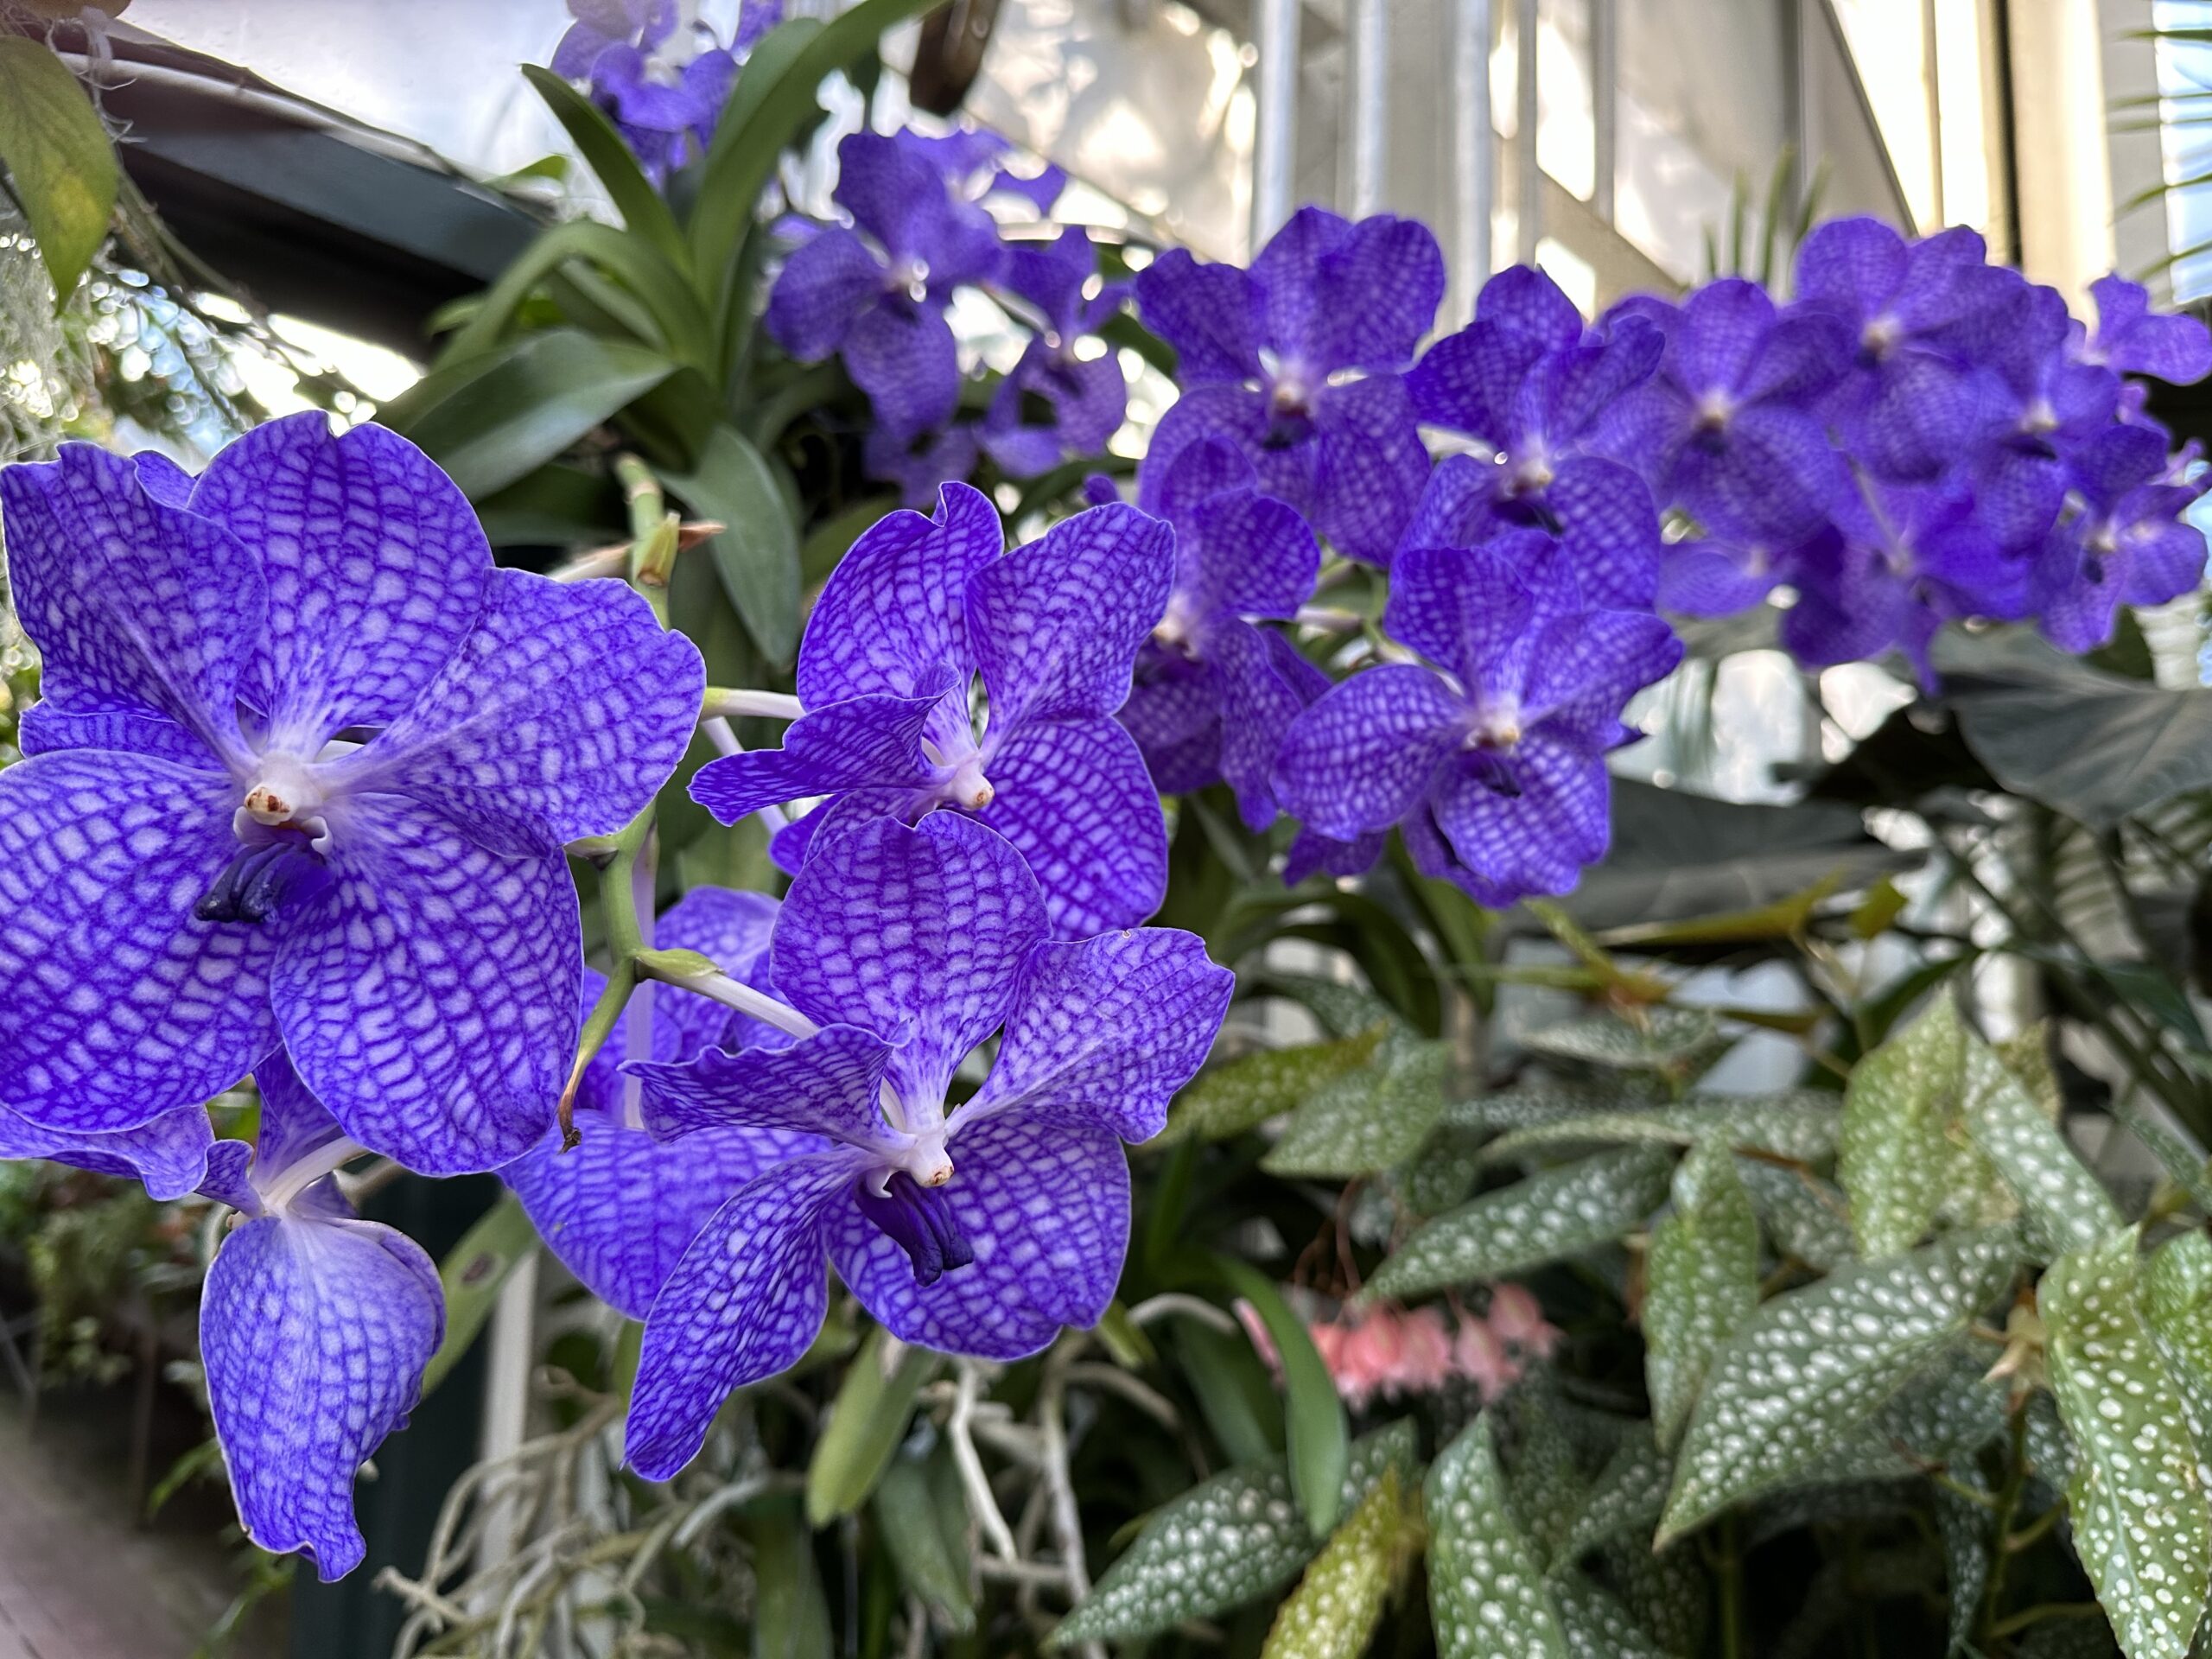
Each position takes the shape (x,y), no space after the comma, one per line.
(302,772)
(662,85)
(1525,381)
(876,295)
(2131,339)
(915,613)
(314,1327)
(167,1154)
(972,160)
(1057,401)
(1297,361)
(981,1230)
(620,1208)
(1494,766)
(1212,698)
(2126,542)
(921,466)
(1728,428)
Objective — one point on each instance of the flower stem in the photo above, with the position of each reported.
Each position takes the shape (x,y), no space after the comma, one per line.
(767,705)
(297,1178)
(597,1025)
(731,994)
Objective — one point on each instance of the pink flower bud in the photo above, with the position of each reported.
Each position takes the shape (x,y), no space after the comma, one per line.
(1518,1319)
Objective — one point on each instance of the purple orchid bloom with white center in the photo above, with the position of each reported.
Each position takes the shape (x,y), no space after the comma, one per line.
(875,294)
(620,1208)
(914,615)
(1729,428)
(314,1328)
(1493,759)
(1311,852)
(1210,697)
(301,773)
(2131,339)
(980,1230)
(1298,361)
(972,160)
(660,77)
(2123,542)
(1066,397)
(1527,381)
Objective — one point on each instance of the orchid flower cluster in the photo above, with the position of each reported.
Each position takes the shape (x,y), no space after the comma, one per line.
(658,73)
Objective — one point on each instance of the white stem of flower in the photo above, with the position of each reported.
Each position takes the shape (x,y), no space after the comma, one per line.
(1329,618)
(767,705)
(299,1177)
(718,731)
(730,994)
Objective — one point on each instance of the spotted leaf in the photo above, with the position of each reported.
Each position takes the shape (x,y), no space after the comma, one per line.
(1596,1626)
(1803,1216)
(1241,1094)
(1802,1125)
(1702,1279)
(2065,1208)
(1367,1120)
(1487,1598)
(1625,1501)
(1896,1156)
(1333,1612)
(1675,1042)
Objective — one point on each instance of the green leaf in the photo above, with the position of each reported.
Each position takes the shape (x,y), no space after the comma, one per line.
(1596,1626)
(644,211)
(873,1406)
(930,1564)
(1626,1499)
(1969,1547)
(2136,1500)
(61,166)
(756,555)
(1896,1156)
(2066,1209)
(1234,1392)
(473,1274)
(1554,1213)
(1813,1364)
(665,302)
(492,419)
(1803,1216)
(1343,1010)
(2178,1303)
(1701,1282)
(1803,1126)
(1315,1420)
(1674,1042)
(1241,1094)
(1363,1122)
(1226,1541)
(1333,1612)
(790,1615)
(1487,1598)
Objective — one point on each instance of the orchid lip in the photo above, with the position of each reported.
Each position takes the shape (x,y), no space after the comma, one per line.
(919,1220)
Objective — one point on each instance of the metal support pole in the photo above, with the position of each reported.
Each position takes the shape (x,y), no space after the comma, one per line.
(1605,104)
(1528,204)
(1274,145)
(1369,28)
(1474,147)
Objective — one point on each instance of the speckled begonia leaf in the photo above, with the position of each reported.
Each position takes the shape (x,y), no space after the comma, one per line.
(1968,1548)
(1106,1029)
(125,1005)
(563,712)
(1946,1414)
(1701,1281)
(1626,1499)
(1678,1041)
(2177,1304)
(168,1154)
(1440,1173)
(1368,1120)
(970,911)
(2140,1523)
(1228,1541)
(1505,1110)
(1667,1592)
(1554,1213)
(2065,1208)
(1241,1094)
(1596,1626)
(1333,1612)
(1487,1598)
(314,1333)
(1343,1010)
(376,566)
(1896,1157)
(1547,1488)
(1814,1363)
(1803,1215)
(1802,1125)
(434,1004)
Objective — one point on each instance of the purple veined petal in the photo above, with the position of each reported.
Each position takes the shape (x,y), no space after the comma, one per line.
(1208,466)
(1610,530)
(2075,598)
(893,192)
(1718,336)
(1803,356)
(754,19)
(294,1124)
(743,1302)
(793,844)
(902,355)
(1462,608)
(1234,415)
(1208,312)
(622,77)
(125,1004)
(1854,264)
(893,612)
(1039,189)
(1522,303)
(967,910)
(1467,382)
(1256,557)
(827,1084)
(1568,389)
(1710,578)
(429,997)
(1051,275)
(1536,841)
(1087,400)
(1339,295)
(1456,507)
(1174,714)
(708,80)
(731,925)
(2018,490)
(580,45)
(620,1208)
(823,287)
(1585,669)
(922,466)
(563,712)
(1773,478)
(871,742)
(376,567)
(2164,560)
(1056,625)
(168,1154)
(1918,414)
(1077,805)
(315,1334)
(1020,451)
(1311,853)
(143,613)
(2135,340)
(1850,605)
(1103,1031)
(1368,468)
(229,1177)
(1044,1206)
(1257,706)
(2117,460)
(957,157)
(1363,755)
